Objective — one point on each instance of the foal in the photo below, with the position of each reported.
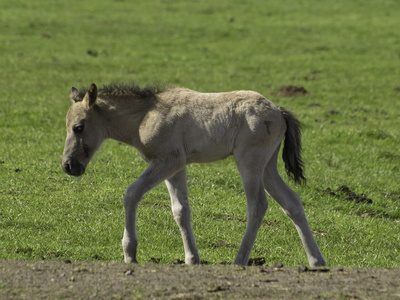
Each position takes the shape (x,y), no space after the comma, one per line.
(174,127)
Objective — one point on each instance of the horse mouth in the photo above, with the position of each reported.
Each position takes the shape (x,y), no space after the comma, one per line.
(73,168)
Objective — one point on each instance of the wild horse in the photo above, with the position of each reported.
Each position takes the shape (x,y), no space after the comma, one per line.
(173,127)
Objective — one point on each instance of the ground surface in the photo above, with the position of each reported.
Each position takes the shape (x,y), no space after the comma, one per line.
(81,280)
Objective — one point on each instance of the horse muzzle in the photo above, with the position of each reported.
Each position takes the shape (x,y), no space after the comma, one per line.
(73,167)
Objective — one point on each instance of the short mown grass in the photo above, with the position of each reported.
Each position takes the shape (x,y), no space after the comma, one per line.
(346,54)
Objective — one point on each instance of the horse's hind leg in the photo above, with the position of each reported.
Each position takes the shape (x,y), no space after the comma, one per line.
(177,187)
(250,163)
(292,206)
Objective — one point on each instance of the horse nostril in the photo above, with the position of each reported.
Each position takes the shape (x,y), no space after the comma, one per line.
(73,167)
(67,168)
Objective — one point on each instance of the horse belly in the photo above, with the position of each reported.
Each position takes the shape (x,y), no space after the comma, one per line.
(201,148)
(207,156)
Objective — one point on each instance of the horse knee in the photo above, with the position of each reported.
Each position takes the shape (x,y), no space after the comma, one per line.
(132,198)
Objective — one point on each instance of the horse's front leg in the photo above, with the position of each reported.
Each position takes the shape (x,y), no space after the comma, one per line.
(177,187)
(155,173)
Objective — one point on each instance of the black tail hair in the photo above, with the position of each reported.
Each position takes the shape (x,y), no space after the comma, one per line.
(291,154)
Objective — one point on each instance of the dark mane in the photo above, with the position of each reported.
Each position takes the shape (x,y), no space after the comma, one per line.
(124,89)
(131,89)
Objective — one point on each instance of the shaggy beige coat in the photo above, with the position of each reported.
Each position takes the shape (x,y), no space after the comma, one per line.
(174,127)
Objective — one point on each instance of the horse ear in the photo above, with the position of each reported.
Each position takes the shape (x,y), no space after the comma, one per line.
(91,95)
(74,95)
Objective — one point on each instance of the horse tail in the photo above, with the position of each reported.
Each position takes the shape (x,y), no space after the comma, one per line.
(291,153)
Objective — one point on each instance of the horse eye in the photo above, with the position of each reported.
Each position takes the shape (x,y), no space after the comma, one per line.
(78,128)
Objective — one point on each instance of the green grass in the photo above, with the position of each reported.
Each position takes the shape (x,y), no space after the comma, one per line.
(345,53)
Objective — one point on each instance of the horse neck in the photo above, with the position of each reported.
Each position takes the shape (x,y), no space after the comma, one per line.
(123,118)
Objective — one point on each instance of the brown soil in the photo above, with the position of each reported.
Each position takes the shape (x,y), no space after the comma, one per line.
(350,195)
(80,280)
(292,91)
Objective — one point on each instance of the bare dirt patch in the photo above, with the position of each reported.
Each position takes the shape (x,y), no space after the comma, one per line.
(80,280)
(292,91)
(349,195)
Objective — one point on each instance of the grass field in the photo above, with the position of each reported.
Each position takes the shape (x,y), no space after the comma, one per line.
(346,54)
